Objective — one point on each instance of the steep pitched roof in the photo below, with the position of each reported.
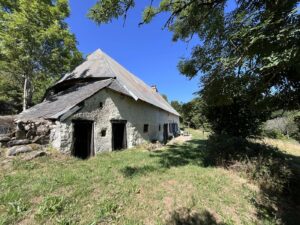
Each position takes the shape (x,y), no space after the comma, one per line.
(57,105)
(100,65)
(108,74)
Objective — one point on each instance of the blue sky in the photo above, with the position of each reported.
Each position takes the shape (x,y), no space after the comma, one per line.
(147,51)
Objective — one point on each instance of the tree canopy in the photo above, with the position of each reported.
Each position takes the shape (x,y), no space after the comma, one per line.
(257,39)
(192,113)
(36,48)
(248,56)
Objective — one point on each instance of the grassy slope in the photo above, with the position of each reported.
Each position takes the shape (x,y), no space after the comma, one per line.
(129,187)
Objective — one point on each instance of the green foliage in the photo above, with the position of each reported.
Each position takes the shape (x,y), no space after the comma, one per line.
(282,125)
(238,118)
(177,106)
(192,113)
(275,134)
(41,84)
(35,46)
(165,97)
(10,94)
(297,122)
(148,14)
(106,10)
(251,52)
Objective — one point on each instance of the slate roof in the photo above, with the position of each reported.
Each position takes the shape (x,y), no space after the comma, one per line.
(113,76)
(99,65)
(58,104)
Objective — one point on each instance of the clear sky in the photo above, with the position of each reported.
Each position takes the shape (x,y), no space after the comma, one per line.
(147,51)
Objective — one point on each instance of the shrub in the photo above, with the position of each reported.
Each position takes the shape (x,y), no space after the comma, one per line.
(275,134)
(236,118)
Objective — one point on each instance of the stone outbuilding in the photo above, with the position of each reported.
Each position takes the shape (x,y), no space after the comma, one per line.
(99,107)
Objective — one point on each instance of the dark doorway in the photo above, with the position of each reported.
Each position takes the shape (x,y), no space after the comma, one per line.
(83,139)
(119,136)
(166,135)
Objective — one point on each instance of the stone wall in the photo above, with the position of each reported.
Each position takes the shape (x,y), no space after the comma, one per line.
(26,132)
(108,105)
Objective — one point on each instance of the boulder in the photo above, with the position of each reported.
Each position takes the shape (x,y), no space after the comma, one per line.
(42,140)
(30,134)
(4,138)
(20,134)
(43,130)
(18,142)
(13,151)
(35,154)
(36,147)
(20,131)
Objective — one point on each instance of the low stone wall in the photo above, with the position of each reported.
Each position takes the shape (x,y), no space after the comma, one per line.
(26,132)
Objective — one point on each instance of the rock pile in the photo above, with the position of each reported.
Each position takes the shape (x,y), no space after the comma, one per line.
(28,137)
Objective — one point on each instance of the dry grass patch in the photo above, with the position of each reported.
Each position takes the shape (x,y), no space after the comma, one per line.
(289,146)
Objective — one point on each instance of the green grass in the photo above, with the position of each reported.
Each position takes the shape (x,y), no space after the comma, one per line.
(168,186)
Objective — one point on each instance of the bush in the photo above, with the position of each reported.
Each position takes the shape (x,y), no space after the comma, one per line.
(275,134)
(297,122)
(237,118)
(283,126)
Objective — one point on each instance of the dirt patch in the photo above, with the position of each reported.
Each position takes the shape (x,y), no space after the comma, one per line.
(180,139)
(169,203)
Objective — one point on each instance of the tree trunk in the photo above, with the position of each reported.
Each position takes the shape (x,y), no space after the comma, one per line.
(27,93)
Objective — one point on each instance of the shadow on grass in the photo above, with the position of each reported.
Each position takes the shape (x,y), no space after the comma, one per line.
(192,152)
(277,174)
(184,216)
(131,171)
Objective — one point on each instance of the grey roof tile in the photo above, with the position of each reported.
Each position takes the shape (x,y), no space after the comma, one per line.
(99,65)
(58,104)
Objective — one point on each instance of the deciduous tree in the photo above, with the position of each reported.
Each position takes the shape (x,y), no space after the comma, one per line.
(36,46)
(249,56)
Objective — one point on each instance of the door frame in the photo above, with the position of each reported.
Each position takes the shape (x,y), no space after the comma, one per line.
(165,133)
(92,149)
(114,121)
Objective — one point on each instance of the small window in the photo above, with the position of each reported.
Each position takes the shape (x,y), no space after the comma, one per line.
(159,127)
(103,132)
(146,127)
(101,105)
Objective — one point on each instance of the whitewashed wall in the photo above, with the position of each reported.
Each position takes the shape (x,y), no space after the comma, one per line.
(115,107)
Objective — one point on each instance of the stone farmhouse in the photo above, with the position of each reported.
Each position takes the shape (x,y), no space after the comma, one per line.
(99,107)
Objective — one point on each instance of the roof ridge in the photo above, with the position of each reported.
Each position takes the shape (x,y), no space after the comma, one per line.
(99,64)
(107,63)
